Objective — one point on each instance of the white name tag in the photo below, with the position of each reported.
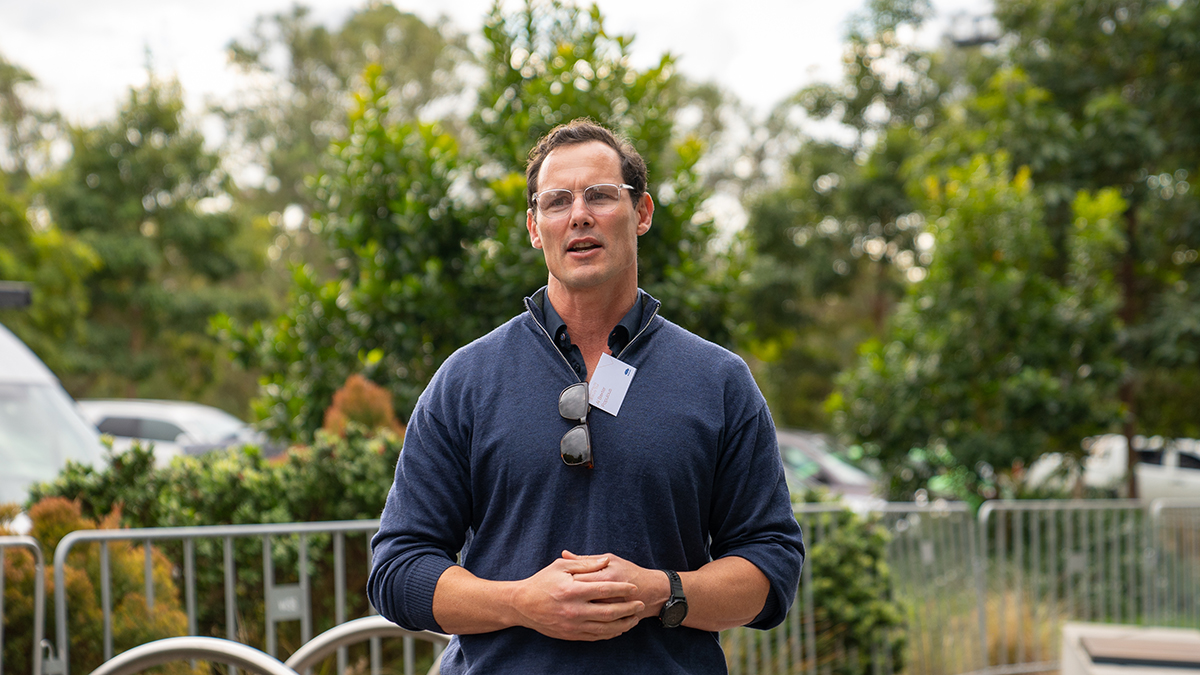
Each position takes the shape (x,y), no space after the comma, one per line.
(609,383)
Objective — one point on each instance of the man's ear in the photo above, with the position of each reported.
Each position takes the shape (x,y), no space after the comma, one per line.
(645,211)
(535,237)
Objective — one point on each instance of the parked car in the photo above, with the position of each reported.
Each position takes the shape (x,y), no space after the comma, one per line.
(40,426)
(1167,467)
(173,427)
(810,462)
(1173,471)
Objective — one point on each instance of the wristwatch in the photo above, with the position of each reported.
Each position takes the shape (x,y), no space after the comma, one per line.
(676,608)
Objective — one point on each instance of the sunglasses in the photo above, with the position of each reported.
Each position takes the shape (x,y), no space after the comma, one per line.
(576,444)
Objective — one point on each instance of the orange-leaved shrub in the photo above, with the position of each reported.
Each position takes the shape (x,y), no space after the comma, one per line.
(133,622)
(361,400)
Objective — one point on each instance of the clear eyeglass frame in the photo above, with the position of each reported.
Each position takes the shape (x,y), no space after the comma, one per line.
(600,199)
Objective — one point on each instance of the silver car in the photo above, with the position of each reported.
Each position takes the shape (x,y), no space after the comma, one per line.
(810,462)
(173,427)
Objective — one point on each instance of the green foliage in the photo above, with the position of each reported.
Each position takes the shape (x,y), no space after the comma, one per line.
(25,129)
(128,483)
(394,313)
(1051,303)
(856,614)
(291,114)
(425,223)
(134,623)
(988,361)
(56,265)
(336,478)
(833,246)
(147,197)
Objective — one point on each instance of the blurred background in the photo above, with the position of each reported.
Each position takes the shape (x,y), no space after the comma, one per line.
(953,239)
(956,242)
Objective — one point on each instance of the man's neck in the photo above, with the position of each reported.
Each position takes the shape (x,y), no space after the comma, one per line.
(591,314)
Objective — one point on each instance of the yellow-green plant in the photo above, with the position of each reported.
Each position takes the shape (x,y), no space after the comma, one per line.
(133,621)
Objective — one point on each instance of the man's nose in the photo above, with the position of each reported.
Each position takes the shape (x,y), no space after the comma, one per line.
(581,215)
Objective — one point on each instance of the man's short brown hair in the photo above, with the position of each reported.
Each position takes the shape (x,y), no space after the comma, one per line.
(584,130)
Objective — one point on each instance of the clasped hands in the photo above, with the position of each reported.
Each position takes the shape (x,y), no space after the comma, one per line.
(594,597)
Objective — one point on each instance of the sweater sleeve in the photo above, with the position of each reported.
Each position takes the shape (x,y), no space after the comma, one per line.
(752,515)
(425,519)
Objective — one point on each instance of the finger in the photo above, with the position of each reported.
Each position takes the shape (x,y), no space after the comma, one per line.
(611,628)
(582,565)
(592,577)
(621,610)
(608,612)
(567,555)
(606,590)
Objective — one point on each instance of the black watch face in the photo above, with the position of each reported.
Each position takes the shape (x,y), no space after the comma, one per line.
(673,614)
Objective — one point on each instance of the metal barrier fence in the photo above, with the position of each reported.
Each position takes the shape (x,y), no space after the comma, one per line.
(958,594)
(1044,563)
(300,579)
(933,558)
(31,547)
(1173,565)
(927,577)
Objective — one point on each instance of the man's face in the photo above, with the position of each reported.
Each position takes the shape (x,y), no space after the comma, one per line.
(584,250)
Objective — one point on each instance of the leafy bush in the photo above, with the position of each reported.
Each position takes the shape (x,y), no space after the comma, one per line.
(128,482)
(336,478)
(857,617)
(858,622)
(361,400)
(134,623)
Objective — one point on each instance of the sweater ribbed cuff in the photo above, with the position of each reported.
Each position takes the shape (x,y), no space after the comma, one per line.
(419,587)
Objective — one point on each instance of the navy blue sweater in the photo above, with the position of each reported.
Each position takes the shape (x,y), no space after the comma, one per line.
(688,472)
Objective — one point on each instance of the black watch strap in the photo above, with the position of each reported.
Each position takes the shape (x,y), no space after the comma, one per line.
(675,609)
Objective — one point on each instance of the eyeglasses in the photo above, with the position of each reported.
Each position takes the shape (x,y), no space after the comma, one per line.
(576,444)
(599,199)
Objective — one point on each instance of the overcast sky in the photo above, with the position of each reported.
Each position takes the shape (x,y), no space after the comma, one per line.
(87,53)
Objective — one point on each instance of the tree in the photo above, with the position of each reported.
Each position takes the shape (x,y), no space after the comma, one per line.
(552,63)
(1090,96)
(155,206)
(292,111)
(834,246)
(404,249)
(25,130)
(1079,99)
(56,265)
(989,361)
(427,225)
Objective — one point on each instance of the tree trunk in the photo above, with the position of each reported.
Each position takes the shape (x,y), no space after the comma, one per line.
(1129,428)
(879,303)
(1130,311)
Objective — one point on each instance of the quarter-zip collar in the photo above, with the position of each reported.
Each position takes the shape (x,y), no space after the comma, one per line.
(552,327)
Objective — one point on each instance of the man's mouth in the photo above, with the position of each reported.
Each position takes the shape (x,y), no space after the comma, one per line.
(583,246)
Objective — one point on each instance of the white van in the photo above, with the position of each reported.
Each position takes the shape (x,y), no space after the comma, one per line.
(40,427)
(1167,467)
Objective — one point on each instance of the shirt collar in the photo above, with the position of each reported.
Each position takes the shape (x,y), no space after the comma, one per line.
(617,339)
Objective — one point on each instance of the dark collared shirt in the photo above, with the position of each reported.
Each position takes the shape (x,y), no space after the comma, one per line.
(617,339)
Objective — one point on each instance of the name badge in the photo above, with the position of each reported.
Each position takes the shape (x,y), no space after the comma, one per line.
(609,383)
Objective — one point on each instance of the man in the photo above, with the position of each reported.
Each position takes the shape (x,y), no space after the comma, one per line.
(611,538)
